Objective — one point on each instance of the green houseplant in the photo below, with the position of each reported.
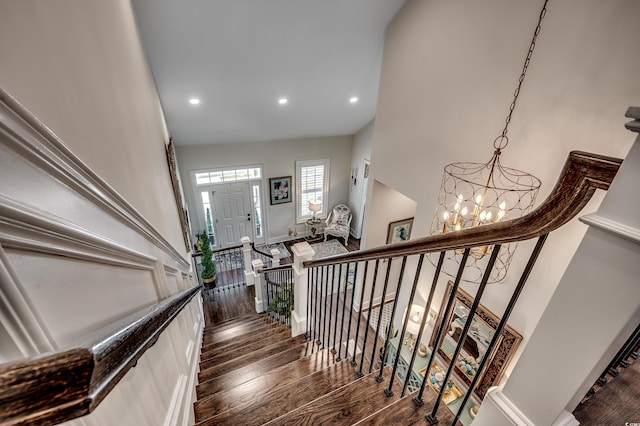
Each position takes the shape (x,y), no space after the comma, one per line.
(208,273)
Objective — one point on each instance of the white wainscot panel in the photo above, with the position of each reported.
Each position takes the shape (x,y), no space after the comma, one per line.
(74,297)
(160,389)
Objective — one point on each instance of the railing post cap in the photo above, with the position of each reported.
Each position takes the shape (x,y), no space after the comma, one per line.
(303,249)
(257,264)
(245,240)
(275,252)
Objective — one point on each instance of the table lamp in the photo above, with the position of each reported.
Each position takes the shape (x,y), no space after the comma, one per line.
(413,325)
(315,206)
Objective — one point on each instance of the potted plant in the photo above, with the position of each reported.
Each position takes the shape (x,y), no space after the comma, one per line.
(208,273)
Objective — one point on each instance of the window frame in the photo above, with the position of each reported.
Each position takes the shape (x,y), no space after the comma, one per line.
(301,217)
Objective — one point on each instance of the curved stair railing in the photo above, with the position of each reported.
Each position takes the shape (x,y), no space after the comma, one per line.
(345,321)
(60,386)
(277,291)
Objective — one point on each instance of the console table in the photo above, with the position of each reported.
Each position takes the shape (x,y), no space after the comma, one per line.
(415,379)
(314,229)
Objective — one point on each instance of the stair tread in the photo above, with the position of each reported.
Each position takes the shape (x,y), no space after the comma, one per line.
(252,398)
(346,405)
(236,351)
(217,328)
(235,332)
(229,320)
(404,412)
(214,349)
(241,361)
(234,375)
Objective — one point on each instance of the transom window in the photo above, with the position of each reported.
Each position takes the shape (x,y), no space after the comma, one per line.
(312,178)
(231,175)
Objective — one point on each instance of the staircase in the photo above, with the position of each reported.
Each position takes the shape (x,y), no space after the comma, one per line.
(252,372)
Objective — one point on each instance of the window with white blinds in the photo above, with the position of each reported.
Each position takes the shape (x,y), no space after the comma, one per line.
(312,184)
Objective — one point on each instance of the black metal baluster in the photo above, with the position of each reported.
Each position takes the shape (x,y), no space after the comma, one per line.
(335,327)
(427,308)
(364,282)
(418,398)
(327,311)
(333,283)
(433,416)
(384,293)
(322,302)
(385,351)
(313,275)
(317,304)
(366,330)
(344,307)
(353,295)
(307,335)
(291,290)
(503,322)
(622,355)
(389,391)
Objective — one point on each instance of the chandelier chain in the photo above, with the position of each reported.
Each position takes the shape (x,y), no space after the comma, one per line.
(502,141)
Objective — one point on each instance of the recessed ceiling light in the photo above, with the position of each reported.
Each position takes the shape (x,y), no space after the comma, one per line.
(194,101)
(353,99)
(283,101)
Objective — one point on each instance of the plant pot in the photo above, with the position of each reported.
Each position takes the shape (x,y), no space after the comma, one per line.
(209,280)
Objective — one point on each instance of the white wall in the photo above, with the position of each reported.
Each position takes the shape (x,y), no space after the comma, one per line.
(80,68)
(449,71)
(361,151)
(278,158)
(89,229)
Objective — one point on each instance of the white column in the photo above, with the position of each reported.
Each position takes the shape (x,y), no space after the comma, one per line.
(593,311)
(301,253)
(275,253)
(257,277)
(246,252)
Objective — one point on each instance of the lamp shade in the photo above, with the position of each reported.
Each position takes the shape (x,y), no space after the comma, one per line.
(315,205)
(415,319)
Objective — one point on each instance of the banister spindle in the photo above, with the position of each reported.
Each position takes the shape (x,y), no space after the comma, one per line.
(418,398)
(433,416)
(333,271)
(335,327)
(382,297)
(353,297)
(389,391)
(364,282)
(344,306)
(366,330)
(503,321)
(379,378)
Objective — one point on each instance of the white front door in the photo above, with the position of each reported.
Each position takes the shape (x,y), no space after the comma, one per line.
(233,213)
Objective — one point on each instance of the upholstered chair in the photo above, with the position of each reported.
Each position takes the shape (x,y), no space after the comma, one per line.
(338,223)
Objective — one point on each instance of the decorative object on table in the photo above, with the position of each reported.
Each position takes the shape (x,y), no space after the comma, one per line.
(413,325)
(399,231)
(338,223)
(435,379)
(208,273)
(473,411)
(366,169)
(280,189)
(422,351)
(476,194)
(479,337)
(175,184)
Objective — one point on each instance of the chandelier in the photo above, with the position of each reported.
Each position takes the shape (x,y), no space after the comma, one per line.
(476,194)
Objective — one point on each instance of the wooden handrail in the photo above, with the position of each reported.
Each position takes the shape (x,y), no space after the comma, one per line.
(253,246)
(583,173)
(56,387)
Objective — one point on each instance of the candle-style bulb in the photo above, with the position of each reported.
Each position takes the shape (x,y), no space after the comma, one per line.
(464,211)
(478,199)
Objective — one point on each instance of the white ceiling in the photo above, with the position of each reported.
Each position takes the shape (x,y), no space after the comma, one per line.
(240,56)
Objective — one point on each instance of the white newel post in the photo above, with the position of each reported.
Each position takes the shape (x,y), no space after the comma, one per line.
(275,253)
(301,253)
(257,266)
(594,309)
(246,252)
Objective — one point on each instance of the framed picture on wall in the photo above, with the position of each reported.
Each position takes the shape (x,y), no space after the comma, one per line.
(399,231)
(280,189)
